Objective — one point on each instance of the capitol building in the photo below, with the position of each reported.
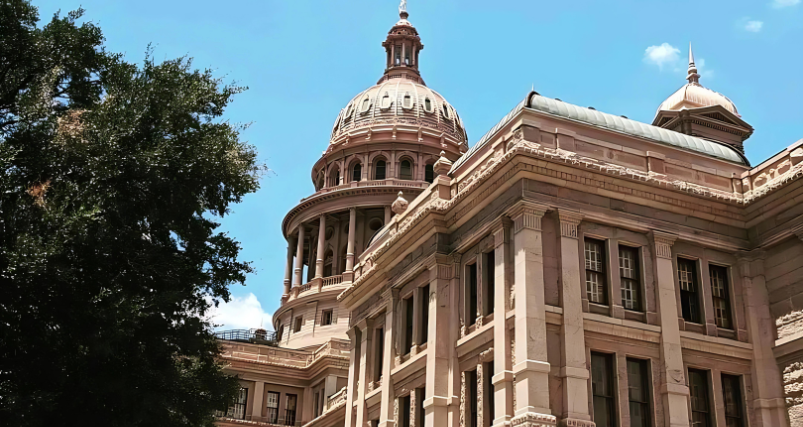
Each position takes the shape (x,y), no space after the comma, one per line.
(569,268)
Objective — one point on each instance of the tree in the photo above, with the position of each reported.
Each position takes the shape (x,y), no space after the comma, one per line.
(110,255)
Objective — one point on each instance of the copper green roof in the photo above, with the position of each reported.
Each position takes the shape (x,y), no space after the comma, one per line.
(619,124)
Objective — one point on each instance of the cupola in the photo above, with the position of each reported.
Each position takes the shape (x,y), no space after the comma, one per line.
(698,111)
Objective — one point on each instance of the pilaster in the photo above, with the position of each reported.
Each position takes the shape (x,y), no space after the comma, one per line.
(532,366)
(437,374)
(386,416)
(365,326)
(502,377)
(258,398)
(768,390)
(573,368)
(354,370)
(674,391)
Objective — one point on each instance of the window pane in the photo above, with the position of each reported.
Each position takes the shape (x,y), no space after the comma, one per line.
(380,170)
(721,299)
(732,390)
(603,389)
(698,385)
(595,272)
(689,298)
(357,173)
(638,385)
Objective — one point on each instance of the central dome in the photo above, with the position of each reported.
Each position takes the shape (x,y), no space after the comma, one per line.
(403,102)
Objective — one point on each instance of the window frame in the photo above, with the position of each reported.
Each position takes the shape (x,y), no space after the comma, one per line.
(298,323)
(599,270)
(488,280)
(409,316)
(429,173)
(411,170)
(706,388)
(472,293)
(739,399)
(377,168)
(275,419)
(645,404)
(726,299)
(331,314)
(290,420)
(638,289)
(356,172)
(423,324)
(610,399)
(695,314)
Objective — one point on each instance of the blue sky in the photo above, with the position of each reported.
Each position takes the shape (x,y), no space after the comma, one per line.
(303,60)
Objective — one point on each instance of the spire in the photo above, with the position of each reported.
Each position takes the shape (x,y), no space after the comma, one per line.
(693,77)
(402,47)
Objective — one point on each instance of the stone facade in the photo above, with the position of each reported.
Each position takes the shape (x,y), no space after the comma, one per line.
(571,268)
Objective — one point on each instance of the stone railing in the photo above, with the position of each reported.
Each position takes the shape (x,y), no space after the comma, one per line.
(336,400)
(304,288)
(390,182)
(284,356)
(332,280)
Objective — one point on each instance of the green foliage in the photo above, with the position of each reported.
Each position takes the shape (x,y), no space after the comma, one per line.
(112,177)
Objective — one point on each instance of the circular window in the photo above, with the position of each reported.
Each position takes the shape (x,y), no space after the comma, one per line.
(375,224)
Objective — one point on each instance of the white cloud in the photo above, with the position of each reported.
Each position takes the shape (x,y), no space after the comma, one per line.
(784,3)
(662,55)
(240,313)
(754,26)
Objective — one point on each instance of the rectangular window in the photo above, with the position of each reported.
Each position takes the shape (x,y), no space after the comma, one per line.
(721,296)
(237,410)
(489,267)
(273,407)
(698,387)
(379,354)
(638,392)
(290,410)
(603,389)
(420,395)
(424,324)
(471,294)
(629,272)
(471,398)
(297,322)
(488,391)
(595,271)
(326,317)
(404,411)
(279,331)
(732,389)
(315,404)
(408,324)
(689,290)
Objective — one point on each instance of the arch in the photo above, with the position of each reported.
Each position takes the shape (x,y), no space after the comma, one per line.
(406,169)
(334,176)
(328,259)
(380,168)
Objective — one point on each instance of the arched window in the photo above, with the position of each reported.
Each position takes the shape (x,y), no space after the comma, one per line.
(366,105)
(429,173)
(427,105)
(398,55)
(406,170)
(327,263)
(385,103)
(379,170)
(445,111)
(407,103)
(356,173)
(334,178)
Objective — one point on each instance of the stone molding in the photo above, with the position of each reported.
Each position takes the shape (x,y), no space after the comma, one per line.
(527,216)
(569,221)
(663,244)
(572,422)
(533,419)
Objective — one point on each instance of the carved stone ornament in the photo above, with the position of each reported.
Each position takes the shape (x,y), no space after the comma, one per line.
(400,205)
(569,221)
(534,420)
(443,165)
(663,244)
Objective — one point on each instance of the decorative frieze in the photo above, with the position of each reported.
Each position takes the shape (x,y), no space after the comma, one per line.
(534,420)
(527,216)
(462,399)
(480,397)
(569,221)
(663,244)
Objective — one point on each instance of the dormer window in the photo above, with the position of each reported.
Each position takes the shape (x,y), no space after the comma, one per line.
(407,102)
(385,103)
(366,105)
(427,105)
(445,111)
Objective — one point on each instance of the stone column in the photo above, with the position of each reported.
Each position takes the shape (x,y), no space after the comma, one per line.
(258,405)
(416,338)
(573,368)
(321,247)
(288,271)
(387,215)
(675,392)
(502,379)
(349,274)
(299,256)
(437,372)
(354,369)
(768,390)
(532,365)
(365,326)
(386,416)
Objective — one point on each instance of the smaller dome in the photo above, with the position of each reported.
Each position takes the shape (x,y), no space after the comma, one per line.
(695,95)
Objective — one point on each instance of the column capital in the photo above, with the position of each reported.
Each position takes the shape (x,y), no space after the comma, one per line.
(753,255)
(352,209)
(663,243)
(569,220)
(527,215)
